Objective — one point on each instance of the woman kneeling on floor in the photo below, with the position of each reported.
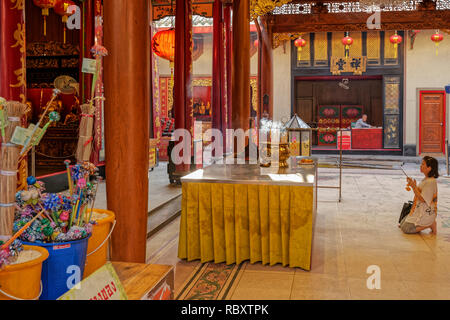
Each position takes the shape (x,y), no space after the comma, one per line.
(424,209)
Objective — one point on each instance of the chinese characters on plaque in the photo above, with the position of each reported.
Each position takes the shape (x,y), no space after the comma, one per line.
(356,65)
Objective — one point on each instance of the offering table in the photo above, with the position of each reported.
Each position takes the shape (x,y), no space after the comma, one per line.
(237,212)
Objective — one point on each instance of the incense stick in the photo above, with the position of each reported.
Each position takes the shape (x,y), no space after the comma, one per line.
(95,196)
(69,177)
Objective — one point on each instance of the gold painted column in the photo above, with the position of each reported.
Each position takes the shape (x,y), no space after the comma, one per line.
(127,121)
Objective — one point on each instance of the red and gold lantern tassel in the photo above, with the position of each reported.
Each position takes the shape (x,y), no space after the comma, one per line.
(64,20)
(45,14)
(299,53)
(45,26)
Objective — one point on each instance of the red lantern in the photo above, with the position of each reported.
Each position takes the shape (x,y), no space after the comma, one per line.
(61,8)
(45,5)
(163,45)
(256,43)
(436,38)
(347,41)
(299,43)
(396,40)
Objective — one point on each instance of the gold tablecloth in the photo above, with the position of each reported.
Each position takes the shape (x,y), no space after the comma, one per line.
(232,223)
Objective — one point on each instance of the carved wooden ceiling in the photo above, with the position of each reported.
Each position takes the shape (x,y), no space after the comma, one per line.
(344,16)
(164,8)
(335,15)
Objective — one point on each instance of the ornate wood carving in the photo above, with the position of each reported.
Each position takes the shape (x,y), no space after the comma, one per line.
(281,38)
(427,5)
(51,48)
(48,60)
(58,144)
(352,21)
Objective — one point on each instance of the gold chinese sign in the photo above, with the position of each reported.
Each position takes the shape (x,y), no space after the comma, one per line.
(355,65)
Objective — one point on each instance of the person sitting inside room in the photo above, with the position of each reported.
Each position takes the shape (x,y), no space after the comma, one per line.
(424,209)
(362,123)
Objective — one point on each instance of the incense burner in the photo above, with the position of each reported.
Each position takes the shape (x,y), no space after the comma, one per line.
(269,150)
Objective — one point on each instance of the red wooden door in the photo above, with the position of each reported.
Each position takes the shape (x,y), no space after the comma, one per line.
(432,121)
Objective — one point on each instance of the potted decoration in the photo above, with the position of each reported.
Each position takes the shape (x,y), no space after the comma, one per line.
(61,223)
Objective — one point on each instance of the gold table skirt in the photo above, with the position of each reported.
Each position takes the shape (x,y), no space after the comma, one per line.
(232,223)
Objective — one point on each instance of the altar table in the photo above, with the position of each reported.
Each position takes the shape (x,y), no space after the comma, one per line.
(367,138)
(232,213)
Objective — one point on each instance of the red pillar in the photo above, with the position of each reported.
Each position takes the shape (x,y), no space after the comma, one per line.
(228,70)
(228,54)
(12,51)
(87,41)
(265,69)
(127,118)
(241,65)
(13,73)
(182,91)
(218,72)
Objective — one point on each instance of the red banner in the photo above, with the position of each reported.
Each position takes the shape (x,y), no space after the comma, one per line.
(98,154)
(12,55)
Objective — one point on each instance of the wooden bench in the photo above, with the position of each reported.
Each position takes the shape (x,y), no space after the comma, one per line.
(146,281)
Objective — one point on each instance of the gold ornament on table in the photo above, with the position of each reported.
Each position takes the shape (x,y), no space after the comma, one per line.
(273,140)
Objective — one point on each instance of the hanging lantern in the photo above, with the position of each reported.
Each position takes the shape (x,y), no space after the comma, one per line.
(256,43)
(45,5)
(436,38)
(347,41)
(61,8)
(396,40)
(299,43)
(163,45)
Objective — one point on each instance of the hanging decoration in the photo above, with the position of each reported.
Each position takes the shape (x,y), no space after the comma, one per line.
(256,43)
(299,43)
(45,5)
(412,36)
(396,40)
(436,38)
(61,8)
(163,45)
(347,41)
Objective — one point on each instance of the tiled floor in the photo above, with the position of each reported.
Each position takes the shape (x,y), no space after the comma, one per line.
(350,236)
(159,189)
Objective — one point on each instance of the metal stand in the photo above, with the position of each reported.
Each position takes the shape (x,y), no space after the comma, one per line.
(33,161)
(446,159)
(340,166)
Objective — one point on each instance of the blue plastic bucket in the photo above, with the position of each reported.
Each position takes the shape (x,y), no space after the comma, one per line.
(63,268)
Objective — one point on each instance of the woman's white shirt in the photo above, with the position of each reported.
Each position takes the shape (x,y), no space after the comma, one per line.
(424,213)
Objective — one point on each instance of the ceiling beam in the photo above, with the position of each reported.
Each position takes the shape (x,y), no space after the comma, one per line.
(352,21)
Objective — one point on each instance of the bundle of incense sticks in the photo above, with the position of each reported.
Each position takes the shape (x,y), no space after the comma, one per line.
(9,162)
(85,138)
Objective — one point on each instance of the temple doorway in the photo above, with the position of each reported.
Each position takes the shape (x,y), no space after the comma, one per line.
(338,102)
